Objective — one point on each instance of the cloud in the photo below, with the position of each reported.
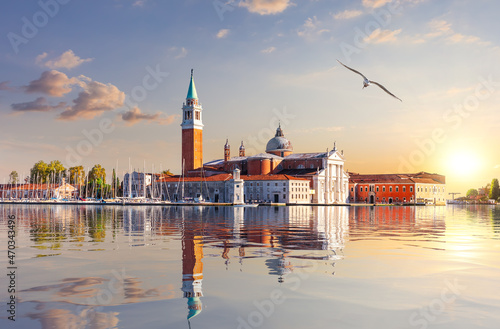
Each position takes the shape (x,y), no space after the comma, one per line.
(379,3)
(139,3)
(52,83)
(460,38)
(439,27)
(5,86)
(348,14)
(265,7)
(178,52)
(135,116)
(268,50)
(38,105)
(311,28)
(382,36)
(95,99)
(442,28)
(67,60)
(375,3)
(222,33)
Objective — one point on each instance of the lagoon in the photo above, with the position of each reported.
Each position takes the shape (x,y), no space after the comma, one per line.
(104,266)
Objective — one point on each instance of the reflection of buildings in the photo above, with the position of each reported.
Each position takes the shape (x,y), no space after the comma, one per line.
(279,238)
(192,269)
(395,220)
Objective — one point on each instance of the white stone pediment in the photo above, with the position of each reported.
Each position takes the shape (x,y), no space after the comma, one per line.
(336,156)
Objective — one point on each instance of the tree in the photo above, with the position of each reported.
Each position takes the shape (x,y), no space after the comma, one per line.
(13,177)
(39,172)
(494,190)
(472,193)
(115,184)
(77,175)
(97,172)
(56,171)
(97,179)
(167,172)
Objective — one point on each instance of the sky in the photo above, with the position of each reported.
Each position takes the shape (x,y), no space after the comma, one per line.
(103,82)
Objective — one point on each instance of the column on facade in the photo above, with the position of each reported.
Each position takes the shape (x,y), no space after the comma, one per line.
(325,187)
(339,185)
(330,181)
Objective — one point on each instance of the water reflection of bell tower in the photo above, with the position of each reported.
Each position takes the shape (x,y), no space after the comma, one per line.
(192,271)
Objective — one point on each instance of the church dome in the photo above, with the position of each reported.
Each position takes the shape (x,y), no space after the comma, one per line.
(279,142)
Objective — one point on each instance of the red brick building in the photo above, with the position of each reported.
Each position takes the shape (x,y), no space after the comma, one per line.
(397,188)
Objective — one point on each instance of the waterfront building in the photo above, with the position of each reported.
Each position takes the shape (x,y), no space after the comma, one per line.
(234,188)
(421,187)
(328,181)
(136,184)
(39,191)
(140,185)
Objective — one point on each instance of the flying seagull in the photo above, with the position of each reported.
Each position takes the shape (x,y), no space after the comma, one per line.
(367,82)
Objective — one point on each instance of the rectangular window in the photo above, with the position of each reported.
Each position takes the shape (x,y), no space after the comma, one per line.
(377,188)
(397,188)
(404,189)
(390,189)
(411,188)
(383,188)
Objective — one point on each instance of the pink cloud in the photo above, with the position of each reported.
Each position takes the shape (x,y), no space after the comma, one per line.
(67,60)
(95,99)
(39,105)
(265,7)
(52,83)
(135,116)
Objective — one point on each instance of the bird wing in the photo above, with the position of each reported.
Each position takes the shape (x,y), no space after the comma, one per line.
(387,91)
(347,67)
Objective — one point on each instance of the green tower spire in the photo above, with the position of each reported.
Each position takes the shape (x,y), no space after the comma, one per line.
(192,89)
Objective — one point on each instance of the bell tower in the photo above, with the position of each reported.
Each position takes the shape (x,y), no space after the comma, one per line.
(227,151)
(192,130)
(242,150)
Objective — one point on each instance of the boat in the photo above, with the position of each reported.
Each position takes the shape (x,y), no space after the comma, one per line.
(248,205)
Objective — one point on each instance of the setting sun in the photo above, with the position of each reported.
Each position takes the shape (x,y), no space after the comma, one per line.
(463,164)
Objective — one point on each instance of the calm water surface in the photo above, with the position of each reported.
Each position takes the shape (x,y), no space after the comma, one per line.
(265,267)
